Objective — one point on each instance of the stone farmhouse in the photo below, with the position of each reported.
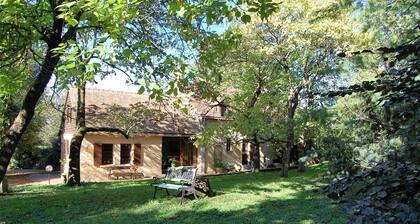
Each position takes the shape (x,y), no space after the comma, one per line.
(158,134)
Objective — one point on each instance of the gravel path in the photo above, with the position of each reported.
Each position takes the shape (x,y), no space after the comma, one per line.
(33,178)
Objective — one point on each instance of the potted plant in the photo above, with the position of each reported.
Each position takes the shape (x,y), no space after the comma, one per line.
(175,163)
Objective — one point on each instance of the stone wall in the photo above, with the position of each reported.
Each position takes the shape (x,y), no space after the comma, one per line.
(151,151)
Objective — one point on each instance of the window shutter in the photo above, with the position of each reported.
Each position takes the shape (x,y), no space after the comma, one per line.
(137,154)
(97,155)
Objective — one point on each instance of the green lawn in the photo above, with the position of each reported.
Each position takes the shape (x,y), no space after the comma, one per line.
(241,198)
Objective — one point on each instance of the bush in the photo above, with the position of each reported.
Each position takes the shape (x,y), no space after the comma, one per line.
(341,155)
(387,193)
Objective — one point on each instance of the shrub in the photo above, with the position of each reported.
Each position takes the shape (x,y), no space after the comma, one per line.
(387,193)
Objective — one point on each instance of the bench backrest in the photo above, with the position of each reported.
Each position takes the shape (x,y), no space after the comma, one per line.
(181,174)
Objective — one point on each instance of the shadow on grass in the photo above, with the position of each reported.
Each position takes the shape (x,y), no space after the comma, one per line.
(297,210)
(242,198)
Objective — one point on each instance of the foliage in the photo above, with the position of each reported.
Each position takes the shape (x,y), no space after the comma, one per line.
(265,71)
(76,38)
(391,22)
(384,109)
(351,137)
(240,198)
(399,88)
(388,193)
(175,162)
(39,145)
(38,156)
(382,138)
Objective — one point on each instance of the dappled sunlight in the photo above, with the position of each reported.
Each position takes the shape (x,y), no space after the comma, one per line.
(240,198)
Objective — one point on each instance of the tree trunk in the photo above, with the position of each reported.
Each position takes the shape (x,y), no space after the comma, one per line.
(256,157)
(24,117)
(73,178)
(53,37)
(292,102)
(256,148)
(307,141)
(289,146)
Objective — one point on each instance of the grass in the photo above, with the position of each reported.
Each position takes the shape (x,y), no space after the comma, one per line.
(241,198)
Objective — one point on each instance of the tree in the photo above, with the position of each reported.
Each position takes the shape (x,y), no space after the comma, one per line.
(141,48)
(42,30)
(384,107)
(289,53)
(47,29)
(245,81)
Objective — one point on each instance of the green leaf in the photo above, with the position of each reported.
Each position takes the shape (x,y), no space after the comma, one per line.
(246,18)
(72,21)
(253,9)
(174,7)
(141,90)
(238,14)
(127,53)
(69,66)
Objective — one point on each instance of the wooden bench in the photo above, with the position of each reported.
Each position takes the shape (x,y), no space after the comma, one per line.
(181,179)
(124,172)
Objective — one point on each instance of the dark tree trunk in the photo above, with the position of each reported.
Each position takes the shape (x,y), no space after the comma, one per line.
(73,178)
(256,149)
(292,102)
(53,37)
(24,117)
(289,145)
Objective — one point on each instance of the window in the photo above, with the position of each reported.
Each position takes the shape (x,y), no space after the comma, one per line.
(107,154)
(125,154)
(228,143)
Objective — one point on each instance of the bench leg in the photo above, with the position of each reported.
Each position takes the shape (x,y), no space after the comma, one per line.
(167,192)
(182,195)
(195,196)
(154,194)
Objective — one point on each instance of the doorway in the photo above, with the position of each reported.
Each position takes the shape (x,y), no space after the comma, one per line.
(178,150)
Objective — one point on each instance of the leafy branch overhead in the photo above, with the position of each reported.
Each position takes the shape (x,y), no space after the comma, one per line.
(397,84)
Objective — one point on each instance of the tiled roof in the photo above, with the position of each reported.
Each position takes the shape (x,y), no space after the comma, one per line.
(139,114)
